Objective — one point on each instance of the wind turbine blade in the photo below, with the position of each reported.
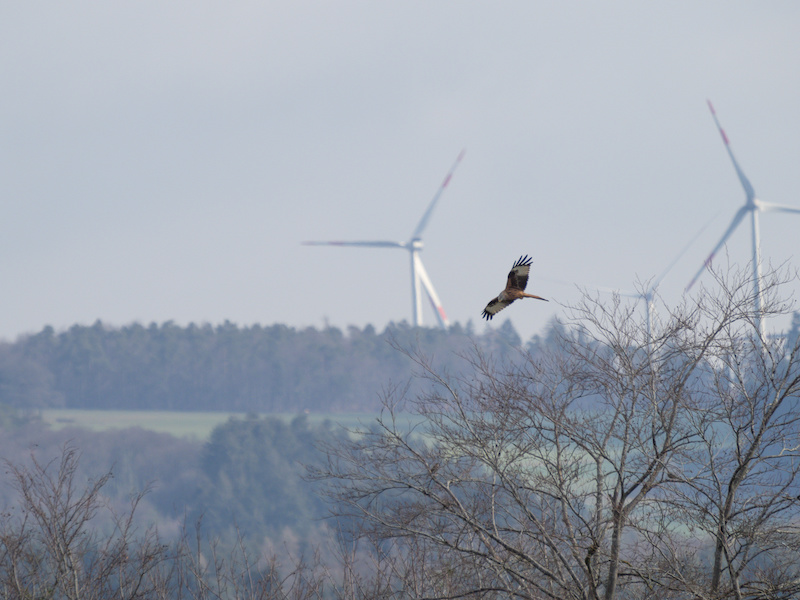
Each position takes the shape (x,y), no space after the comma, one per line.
(748,187)
(377,244)
(734,224)
(432,296)
(424,221)
(682,252)
(770,207)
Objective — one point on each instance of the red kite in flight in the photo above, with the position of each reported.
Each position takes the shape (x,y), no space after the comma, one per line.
(515,288)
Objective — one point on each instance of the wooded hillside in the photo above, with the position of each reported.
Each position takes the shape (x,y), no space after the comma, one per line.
(261,369)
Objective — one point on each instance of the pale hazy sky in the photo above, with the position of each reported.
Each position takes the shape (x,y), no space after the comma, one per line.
(164,160)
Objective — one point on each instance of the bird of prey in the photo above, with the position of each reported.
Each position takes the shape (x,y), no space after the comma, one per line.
(515,288)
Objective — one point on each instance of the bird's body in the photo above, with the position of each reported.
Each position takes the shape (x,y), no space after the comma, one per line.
(515,288)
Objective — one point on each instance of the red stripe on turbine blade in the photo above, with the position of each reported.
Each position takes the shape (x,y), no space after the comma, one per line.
(446,181)
(441,313)
(724,136)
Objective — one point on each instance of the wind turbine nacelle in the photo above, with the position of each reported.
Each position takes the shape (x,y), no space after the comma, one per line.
(416,244)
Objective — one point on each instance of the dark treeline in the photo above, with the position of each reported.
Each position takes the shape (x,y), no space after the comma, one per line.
(260,369)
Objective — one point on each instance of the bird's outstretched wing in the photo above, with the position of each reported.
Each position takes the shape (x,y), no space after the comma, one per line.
(494,307)
(518,275)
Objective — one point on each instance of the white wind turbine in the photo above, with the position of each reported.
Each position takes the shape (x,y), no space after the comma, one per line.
(753,206)
(419,276)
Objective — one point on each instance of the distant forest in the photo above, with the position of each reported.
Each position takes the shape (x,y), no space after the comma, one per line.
(257,369)
(247,479)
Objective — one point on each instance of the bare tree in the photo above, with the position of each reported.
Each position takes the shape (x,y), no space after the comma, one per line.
(52,544)
(739,490)
(63,540)
(601,467)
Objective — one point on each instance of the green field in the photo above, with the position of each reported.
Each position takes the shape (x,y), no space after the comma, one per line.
(192,425)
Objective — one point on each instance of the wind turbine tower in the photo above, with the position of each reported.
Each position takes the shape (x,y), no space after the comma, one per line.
(414,245)
(752,205)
